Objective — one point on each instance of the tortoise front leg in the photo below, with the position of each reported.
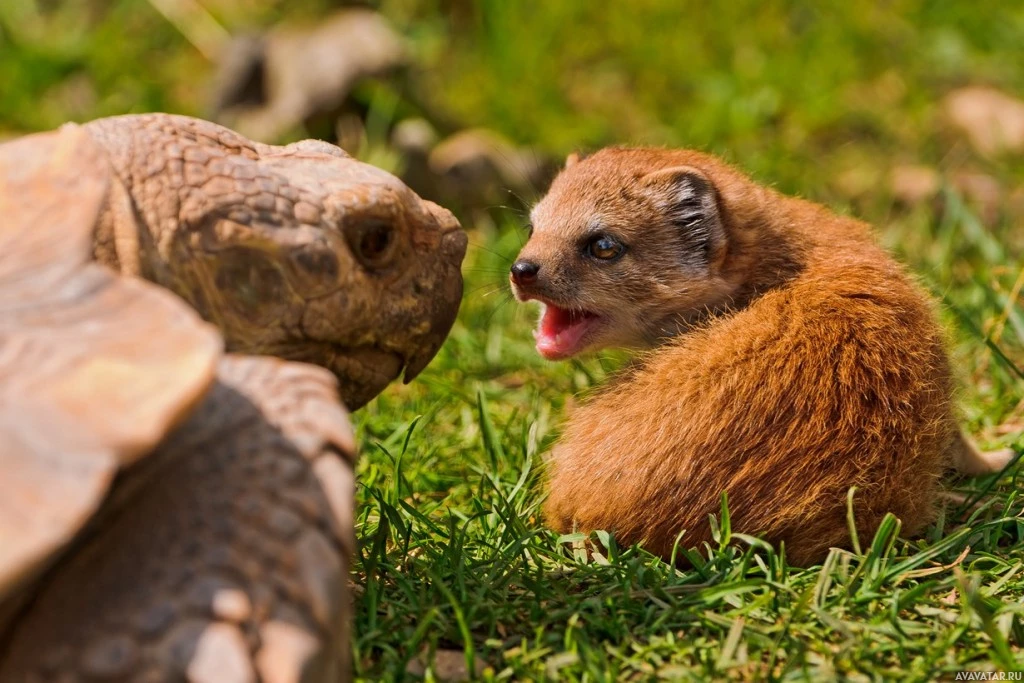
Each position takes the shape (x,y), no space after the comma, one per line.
(225,555)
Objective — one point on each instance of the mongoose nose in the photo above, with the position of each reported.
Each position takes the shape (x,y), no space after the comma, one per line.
(524,272)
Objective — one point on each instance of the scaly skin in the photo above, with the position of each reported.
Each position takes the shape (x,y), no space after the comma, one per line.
(234,565)
(298,251)
(165,512)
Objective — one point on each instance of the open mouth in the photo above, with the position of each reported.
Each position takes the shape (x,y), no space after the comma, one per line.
(564,332)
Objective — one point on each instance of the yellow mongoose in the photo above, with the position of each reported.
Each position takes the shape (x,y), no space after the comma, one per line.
(786,358)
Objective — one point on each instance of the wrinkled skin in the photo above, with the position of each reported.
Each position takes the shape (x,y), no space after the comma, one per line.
(166,512)
(298,251)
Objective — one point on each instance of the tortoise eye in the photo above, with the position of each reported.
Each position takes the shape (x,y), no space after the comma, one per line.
(605,247)
(372,242)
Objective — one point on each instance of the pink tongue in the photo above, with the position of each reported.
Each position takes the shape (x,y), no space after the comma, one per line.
(559,334)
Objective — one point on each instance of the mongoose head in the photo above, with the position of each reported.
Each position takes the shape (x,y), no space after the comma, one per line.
(627,248)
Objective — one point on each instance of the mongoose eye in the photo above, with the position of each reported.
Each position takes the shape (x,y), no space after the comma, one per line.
(372,243)
(605,248)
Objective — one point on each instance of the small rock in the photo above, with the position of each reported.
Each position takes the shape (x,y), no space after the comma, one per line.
(414,135)
(978,186)
(448,665)
(480,169)
(269,84)
(913,184)
(992,121)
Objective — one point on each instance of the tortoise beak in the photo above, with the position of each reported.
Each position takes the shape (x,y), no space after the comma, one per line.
(415,366)
(445,303)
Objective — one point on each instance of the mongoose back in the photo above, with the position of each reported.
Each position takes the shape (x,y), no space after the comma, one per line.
(784,357)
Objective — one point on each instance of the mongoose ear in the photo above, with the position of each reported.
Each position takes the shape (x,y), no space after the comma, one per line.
(574,158)
(689,199)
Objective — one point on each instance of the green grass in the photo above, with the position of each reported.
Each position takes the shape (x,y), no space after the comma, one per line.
(453,555)
(817,99)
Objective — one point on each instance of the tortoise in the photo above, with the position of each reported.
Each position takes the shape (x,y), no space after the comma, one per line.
(169,510)
(297,251)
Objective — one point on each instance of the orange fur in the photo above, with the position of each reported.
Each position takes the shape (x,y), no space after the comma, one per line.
(802,361)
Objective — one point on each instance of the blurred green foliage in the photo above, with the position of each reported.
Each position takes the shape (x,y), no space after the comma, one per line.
(748,79)
(783,88)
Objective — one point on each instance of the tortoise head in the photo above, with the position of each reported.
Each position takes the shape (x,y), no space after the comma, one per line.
(305,253)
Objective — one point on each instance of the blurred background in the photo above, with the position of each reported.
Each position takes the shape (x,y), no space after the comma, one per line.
(828,102)
(907,113)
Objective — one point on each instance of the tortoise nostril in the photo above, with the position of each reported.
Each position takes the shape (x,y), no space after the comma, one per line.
(525,272)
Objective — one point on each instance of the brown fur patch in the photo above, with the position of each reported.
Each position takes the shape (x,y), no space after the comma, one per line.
(817,365)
